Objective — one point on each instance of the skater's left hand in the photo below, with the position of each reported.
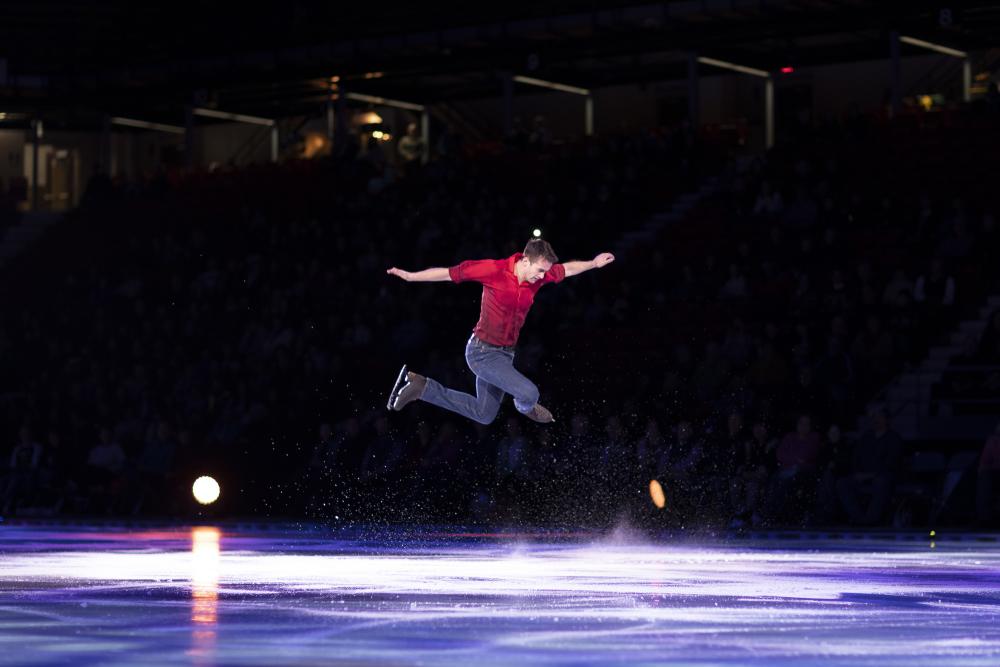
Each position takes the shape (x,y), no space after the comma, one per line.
(603,260)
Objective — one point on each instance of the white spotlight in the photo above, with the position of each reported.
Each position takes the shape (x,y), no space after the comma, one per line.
(205,490)
(537,233)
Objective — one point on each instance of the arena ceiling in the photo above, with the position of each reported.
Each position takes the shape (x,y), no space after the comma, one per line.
(149,60)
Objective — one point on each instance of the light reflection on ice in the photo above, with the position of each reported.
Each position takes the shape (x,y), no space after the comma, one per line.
(204,593)
(580,603)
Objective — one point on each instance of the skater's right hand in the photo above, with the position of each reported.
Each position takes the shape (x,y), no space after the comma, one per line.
(400,273)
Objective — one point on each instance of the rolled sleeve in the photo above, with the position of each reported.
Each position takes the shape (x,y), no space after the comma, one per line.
(556,274)
(478,270)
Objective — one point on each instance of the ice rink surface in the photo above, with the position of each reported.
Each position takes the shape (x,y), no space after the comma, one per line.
(250,595)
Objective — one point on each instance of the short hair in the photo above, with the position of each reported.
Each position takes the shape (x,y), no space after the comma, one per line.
(538,249)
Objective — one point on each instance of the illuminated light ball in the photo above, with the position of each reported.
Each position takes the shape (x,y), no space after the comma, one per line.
(933,533)
(537,233)
(656,493)
(205,490)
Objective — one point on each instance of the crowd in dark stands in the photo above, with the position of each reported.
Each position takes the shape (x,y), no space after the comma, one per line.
(971,383)
(240,323)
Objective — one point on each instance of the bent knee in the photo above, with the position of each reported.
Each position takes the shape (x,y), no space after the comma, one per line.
(487,418)
(488,415)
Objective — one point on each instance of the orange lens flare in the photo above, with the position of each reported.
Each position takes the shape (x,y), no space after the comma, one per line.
(656,493)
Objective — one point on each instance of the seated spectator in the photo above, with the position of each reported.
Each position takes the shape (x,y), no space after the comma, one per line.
(106,459)
(54,474)
(518,136)
(897,286)
(769,201)
(802,212)
(684,452)
(332,454)
(753,456)
(517,464)
(678,468)
(754,468)
(799,450)
(793,484)
(411,146)
(105,463)
(22,471)
(512,452)
(612,446)
(384,453)
(864,493)
(935,289)
(576,445)
(153,468)
(835,464)
(649,447)
(958,243)
(540,136)
(736,286)
(987,477)
(445,447)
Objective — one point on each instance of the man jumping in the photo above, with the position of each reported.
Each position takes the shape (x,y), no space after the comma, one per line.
(509,287)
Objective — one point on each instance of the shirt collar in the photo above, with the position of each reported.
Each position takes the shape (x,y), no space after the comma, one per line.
(511,261)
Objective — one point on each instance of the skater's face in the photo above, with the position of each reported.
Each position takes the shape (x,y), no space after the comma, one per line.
(532,272)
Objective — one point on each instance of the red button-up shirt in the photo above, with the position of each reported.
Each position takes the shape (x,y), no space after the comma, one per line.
(506,301)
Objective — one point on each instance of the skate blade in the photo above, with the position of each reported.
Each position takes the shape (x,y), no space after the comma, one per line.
(396,388)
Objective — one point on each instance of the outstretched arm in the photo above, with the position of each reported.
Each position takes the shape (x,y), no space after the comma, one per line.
(425,276)
(602,260)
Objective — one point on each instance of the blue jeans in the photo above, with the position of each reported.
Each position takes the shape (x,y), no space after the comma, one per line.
(495,376)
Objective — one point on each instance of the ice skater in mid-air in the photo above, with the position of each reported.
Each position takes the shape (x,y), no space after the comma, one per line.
(509,288)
